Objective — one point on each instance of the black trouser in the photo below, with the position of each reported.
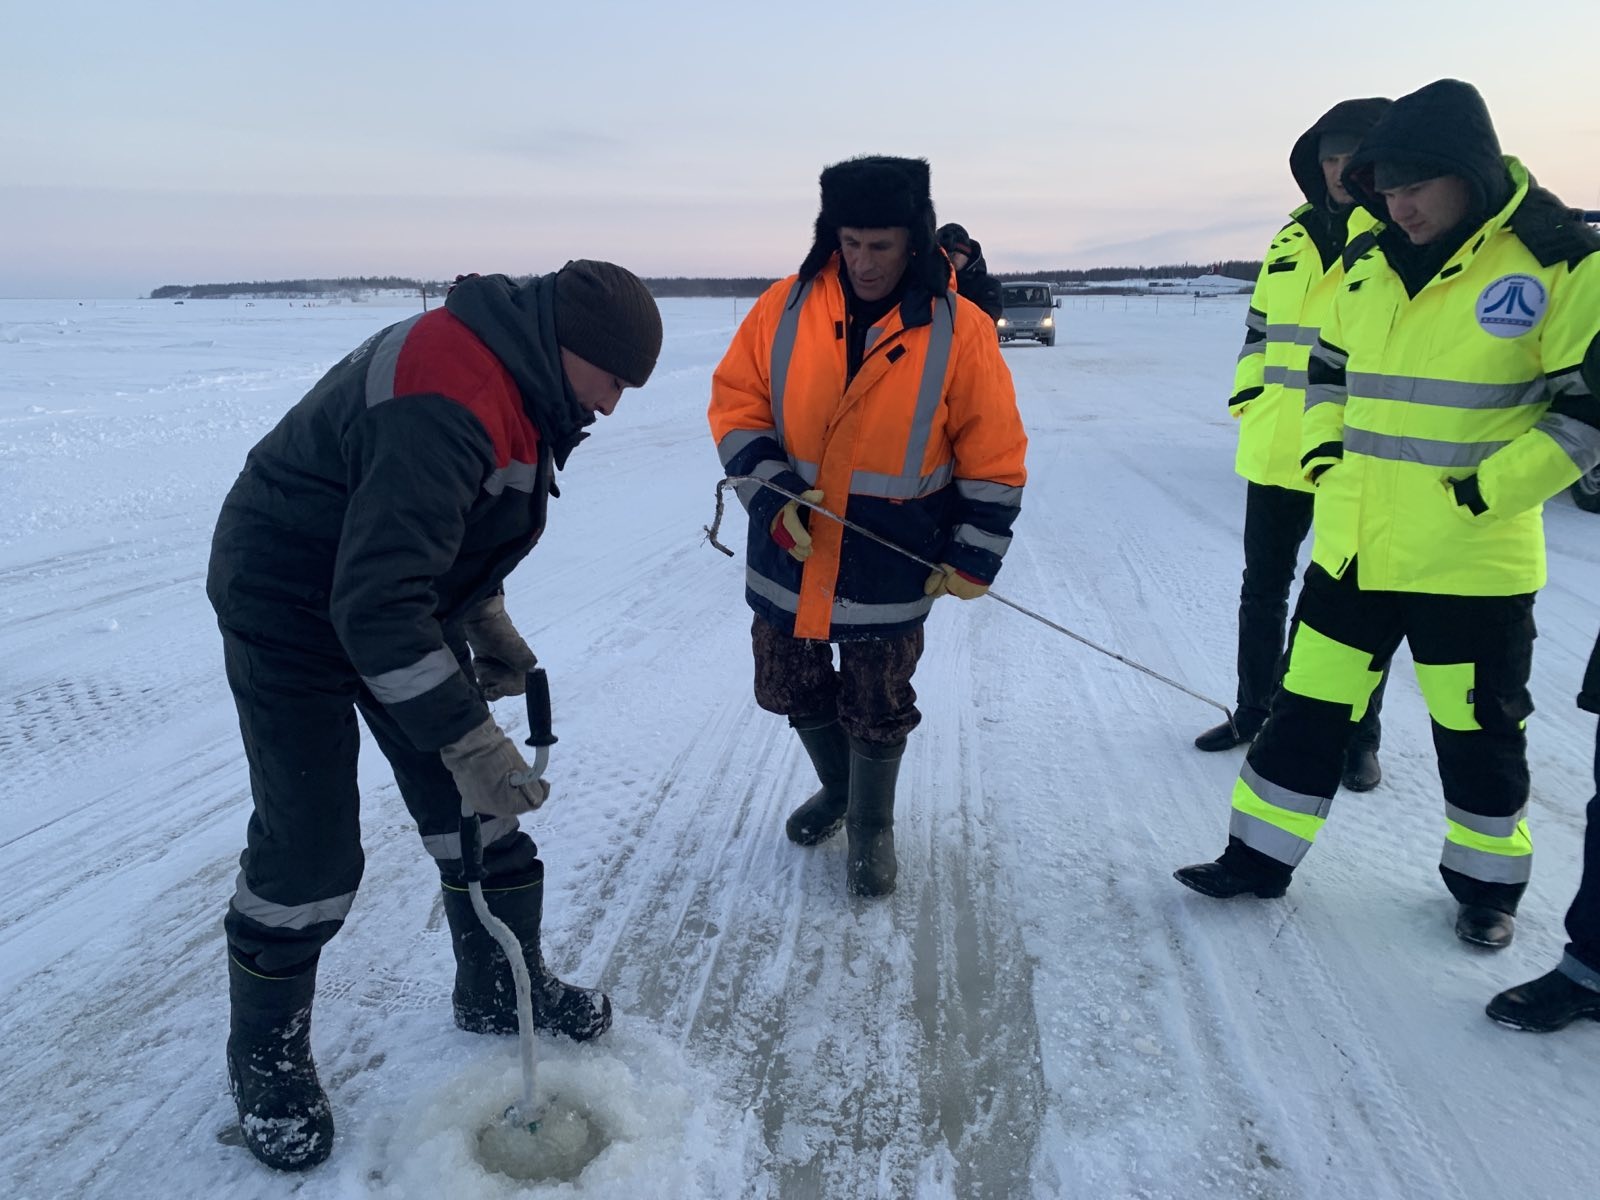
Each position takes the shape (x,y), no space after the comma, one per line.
(1583,918)
(1473,655)
(297,696)
(870,691)
(1276,521)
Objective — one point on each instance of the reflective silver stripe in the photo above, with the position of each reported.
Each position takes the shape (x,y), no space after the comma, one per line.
(518,476)
(971,535)
(1495,827)
(1445,393)
(1252,348)
(767,468)
(806,470)
(1578,440)
(380,372)
(1285,377)
(900,487)
(931,389)
(845,612)
(1281,797)
(1568,383)
(1255,321)
(874,332)
(447,846)
(1331,355)
(1488,868)
(1266,837)
(1427,451)
(987,491)
(783,349)
(1579,973)
(407,683)
(736,441)
(1294,335)
(1323,393)
(289,916)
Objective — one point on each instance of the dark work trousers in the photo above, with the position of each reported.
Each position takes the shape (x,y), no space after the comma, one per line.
(297,696)
(1583,918)
(1276,521)
(870,691)
(1473,656)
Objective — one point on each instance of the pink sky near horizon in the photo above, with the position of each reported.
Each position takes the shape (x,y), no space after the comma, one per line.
(207,145)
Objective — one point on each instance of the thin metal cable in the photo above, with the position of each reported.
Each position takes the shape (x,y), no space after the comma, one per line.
(732,480)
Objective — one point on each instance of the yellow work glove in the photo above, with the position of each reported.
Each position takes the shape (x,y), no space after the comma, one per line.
(790,532)
(949,581)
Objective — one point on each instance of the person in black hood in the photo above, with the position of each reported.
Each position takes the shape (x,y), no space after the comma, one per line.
(1267,401)
(1433,171)
(357,566)
(973,280)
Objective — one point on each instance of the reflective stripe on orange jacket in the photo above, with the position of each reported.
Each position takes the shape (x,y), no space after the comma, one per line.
(924,446)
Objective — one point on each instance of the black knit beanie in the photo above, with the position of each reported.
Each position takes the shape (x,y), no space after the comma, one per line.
(606,316)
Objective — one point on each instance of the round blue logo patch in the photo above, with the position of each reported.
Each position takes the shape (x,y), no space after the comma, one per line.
(1511,305)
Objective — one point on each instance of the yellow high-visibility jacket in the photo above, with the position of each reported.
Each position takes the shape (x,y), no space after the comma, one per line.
(1280,329)
(1438,424)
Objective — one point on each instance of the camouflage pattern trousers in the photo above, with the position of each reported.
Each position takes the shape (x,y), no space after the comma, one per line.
(870,691)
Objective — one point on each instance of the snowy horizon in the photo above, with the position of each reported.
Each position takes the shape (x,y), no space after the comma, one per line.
(1039,1011)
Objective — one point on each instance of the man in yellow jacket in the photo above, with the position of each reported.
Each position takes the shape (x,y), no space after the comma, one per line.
(1268,398)
(865,385)
(1451,392)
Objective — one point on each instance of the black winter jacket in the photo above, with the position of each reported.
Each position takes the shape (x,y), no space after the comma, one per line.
(399,492)
(975,283)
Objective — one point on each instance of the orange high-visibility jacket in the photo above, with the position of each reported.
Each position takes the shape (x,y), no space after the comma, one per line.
(924,446)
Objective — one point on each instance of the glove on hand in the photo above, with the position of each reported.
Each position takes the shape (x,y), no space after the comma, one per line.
(482,763)
(949,581)
(789,531)
(1467,493)
(500,658)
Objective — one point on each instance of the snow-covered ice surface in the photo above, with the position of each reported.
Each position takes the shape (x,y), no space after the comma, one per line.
(1039,1011)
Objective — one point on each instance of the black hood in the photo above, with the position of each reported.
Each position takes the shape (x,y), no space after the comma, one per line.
(518,324)
(1348,116)
(1442,129)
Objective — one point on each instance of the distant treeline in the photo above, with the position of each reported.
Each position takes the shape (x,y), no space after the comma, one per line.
(294,287)
(1233,268)
(745,286)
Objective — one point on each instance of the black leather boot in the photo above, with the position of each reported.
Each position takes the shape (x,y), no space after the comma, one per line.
(870,866)
(1485,926)
(1240,871)
(1361,770)
(485,996)
(1246,724)
(819,818)
(284,1114)
(1545,1004)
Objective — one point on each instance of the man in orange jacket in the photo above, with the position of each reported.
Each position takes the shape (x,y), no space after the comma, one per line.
(864,384)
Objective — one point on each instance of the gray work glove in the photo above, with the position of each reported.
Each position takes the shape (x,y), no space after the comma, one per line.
(500,658)
(483,764)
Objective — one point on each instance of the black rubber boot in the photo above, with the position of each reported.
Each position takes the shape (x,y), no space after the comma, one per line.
(485,996)
(1361,770)
(870,866)
(1240,871)
(1214,879)
(1225,736)
(284,1114)
(1485,926)
(1545,1004)
(819,818)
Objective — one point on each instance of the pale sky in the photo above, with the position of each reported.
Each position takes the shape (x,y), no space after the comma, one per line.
(187,142)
